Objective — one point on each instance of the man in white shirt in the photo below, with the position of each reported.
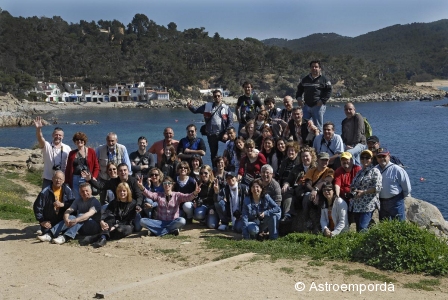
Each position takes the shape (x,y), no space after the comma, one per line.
(55,154)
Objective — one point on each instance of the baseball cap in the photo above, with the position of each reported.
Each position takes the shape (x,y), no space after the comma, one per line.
(323,155)
(373,139)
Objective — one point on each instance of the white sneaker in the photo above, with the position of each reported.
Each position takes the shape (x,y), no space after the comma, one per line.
(59,240)
(222,227)
(44,238)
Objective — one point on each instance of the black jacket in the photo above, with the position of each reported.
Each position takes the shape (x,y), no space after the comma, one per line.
(314,90)
(112,184)
(43,206)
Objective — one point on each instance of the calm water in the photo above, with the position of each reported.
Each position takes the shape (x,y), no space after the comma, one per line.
(413,131)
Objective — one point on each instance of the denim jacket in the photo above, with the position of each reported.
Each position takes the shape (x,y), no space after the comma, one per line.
(252,210)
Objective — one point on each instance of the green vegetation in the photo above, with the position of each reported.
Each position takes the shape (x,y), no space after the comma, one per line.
(34,178)
(424,284)
(287,270)
(12,203)
(108,52)
(395,246)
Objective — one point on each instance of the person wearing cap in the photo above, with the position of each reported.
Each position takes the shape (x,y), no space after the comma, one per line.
(141,160)
(229,203)
(364,194)
(353,132)
(396,186)
(314,179)
(330,143)
(343,176)
(373,144)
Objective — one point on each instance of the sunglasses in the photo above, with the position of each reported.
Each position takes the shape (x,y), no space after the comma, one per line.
(167,183)
(365,157)
(183,168)
(152,175)
(112,169)
(216,96)
(381,156)
(327,190)
(203,173)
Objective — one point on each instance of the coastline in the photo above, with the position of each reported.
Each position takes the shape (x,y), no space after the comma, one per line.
(15,112)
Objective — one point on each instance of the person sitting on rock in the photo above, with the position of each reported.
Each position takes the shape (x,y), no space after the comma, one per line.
(51,204)
(353,132)
(191,145)
(330,143)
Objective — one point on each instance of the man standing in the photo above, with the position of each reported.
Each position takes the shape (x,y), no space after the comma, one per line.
(111,152)
(51,204)
(218,117)
(331,143)
(396,186)
(86,222)
(247,106)
(158,147)
(343,176)
(353,132)
(55,154)
(316,91)
(191,144)
(141,160)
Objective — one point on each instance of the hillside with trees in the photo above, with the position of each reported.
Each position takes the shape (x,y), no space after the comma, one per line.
(108,51)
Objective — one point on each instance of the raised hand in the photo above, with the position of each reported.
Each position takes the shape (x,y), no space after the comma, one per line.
(198,189)
(216,185)
(38,122)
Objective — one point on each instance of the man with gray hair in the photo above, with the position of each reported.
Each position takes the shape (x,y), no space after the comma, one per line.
(271,186)
(112,152)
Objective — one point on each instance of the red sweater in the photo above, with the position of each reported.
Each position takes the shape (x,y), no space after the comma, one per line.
(254,168)
(92,163)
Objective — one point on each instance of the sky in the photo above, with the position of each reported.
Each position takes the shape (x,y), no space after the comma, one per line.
(260,19)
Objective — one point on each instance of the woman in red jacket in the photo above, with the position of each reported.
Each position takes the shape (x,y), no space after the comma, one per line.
(80,159)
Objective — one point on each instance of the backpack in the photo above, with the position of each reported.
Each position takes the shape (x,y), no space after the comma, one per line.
(368,131)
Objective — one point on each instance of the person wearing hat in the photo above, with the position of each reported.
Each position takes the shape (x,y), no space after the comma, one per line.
(364,192)
(395,187)
(314,179)
(229,203)
(343,176)
(373,144)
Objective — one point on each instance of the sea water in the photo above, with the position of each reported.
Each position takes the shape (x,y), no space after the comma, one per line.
(414,131)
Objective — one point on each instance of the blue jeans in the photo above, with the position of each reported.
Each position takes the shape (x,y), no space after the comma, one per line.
(356,151)
(89,227)
(362,220)
(77,179)
(223,209)
(188,209)
(269,222)
(160,228)
(46,182)
(208,214)
(316,113)
(149,211)
(391,209)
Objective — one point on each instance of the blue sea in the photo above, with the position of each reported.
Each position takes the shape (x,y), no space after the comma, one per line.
(413,131)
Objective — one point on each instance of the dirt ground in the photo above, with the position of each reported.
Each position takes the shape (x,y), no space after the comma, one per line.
(172,268)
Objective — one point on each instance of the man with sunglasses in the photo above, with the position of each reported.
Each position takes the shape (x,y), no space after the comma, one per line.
(190,145)
(141,160)
(373,144)
(396,186)
(218,118)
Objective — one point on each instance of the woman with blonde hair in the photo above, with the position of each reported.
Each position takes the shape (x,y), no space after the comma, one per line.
(205,202)
(117,220)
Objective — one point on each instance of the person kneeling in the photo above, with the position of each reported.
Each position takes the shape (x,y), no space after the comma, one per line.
(260,212)
(334,217)
(87,219)
(168,208)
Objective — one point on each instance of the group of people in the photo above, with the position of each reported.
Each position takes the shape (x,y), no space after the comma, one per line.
(277,164)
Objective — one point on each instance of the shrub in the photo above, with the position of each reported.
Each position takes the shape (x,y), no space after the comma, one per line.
(402,246)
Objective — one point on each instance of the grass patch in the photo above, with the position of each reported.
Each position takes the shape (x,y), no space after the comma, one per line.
(34,178)
(12,175)
(316,263)
(287,270)
(167,251)
(388,246)
(424,284)
(369,275)
(173,237)
(12,203)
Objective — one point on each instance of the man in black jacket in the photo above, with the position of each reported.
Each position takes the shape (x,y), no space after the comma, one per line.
(316,91)
(51,204)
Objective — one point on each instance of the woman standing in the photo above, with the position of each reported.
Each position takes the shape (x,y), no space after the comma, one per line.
(260,212)
(169,162)
(168,220)
(365,188)
(80,159)
(334,216)
(117,221)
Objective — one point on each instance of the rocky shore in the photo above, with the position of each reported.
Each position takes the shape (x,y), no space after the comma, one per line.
(15,112)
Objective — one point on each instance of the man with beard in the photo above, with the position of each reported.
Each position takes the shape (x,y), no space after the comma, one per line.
(55,154)
(111,152)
